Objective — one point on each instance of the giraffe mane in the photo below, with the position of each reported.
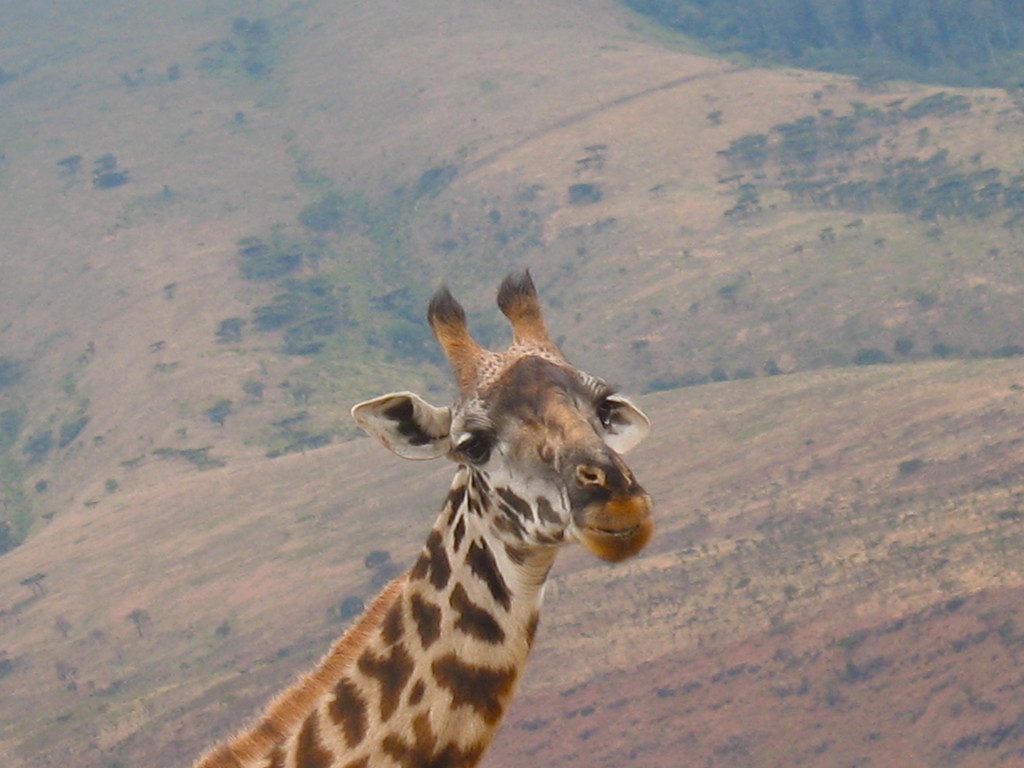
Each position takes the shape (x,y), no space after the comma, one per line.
(286,711)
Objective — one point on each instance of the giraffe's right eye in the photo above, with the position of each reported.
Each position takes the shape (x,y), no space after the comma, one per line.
(475,447)
(604,412)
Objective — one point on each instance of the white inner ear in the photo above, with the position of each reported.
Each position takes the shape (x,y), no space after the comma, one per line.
(406,424)
(629,425)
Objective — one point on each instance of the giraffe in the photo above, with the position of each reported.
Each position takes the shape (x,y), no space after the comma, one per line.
(423,678)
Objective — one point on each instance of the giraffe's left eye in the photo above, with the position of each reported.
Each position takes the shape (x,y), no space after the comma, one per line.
(605,409)
(476,448)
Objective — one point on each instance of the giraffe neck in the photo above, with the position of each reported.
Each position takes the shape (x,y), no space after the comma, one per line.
(425,676)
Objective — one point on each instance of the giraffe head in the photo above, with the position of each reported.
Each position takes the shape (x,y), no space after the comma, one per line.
(541,440)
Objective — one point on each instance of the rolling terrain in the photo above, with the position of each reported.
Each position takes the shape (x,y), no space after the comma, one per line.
(219,237)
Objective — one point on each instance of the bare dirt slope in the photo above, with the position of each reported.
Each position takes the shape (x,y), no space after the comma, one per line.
(799,517)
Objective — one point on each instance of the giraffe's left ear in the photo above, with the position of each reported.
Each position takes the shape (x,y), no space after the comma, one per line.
(627,425)
(406,424)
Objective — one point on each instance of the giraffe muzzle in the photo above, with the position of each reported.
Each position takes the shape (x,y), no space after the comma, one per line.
(617,528)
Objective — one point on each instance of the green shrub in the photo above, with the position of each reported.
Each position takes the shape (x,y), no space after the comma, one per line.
(903,346)
(349,608)
(376,559)
(198,457)
(10,428)
(110,179)
(432,181)
(7,540)
(254,389)
(910,466)
(870,356)
(219,411)
(751,150)
(70,165)
(10,372)
(230,330)
(584,194)
(1010,350)
(261,260)
(286,308)
(38,445)
(70,430)
(332,213)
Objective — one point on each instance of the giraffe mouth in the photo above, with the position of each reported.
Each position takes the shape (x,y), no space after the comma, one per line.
(617,529)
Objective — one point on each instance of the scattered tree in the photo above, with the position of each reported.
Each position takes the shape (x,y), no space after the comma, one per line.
(230,330)
(67,675)
(584,194)
(376,559)
(349,608)
(10,371)
(35,583)
(219,411)
(253,388)
(140,618)
(70,165)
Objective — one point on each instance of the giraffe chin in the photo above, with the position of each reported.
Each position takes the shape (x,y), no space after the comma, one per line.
(617,529)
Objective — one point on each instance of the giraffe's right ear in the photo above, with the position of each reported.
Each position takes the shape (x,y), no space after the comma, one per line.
(406,424)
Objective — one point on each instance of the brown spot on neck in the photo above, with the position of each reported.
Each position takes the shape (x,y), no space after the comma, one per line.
(484,689)
(481,562)
(348,711)
(428,620)
(424,752)
(474,620)
(433,562)
(392,672)
(309,752)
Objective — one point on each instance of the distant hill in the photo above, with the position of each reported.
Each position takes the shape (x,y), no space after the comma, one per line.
(972,42)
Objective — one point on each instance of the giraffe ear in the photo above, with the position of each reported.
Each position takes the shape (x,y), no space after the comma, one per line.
(627,425)
(406,424)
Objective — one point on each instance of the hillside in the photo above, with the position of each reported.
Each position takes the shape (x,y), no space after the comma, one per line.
(969,42)
(219,237)
(837,536)
(246,249)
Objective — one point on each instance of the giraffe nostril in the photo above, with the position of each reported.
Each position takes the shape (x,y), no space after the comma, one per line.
(590,476)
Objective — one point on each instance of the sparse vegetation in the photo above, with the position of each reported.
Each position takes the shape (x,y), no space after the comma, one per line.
(349,608)
(70,430)
(333,212)
(248,51)
(270,259)
(10,371)
(219,412)
(6,665)
(229,331)
(199,457)
(932,40)
(139,618)
(910,466)
(38,446)
(584,194)
(10,428)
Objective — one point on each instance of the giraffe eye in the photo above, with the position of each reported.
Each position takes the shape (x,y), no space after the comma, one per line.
(605,409)
(476,448)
